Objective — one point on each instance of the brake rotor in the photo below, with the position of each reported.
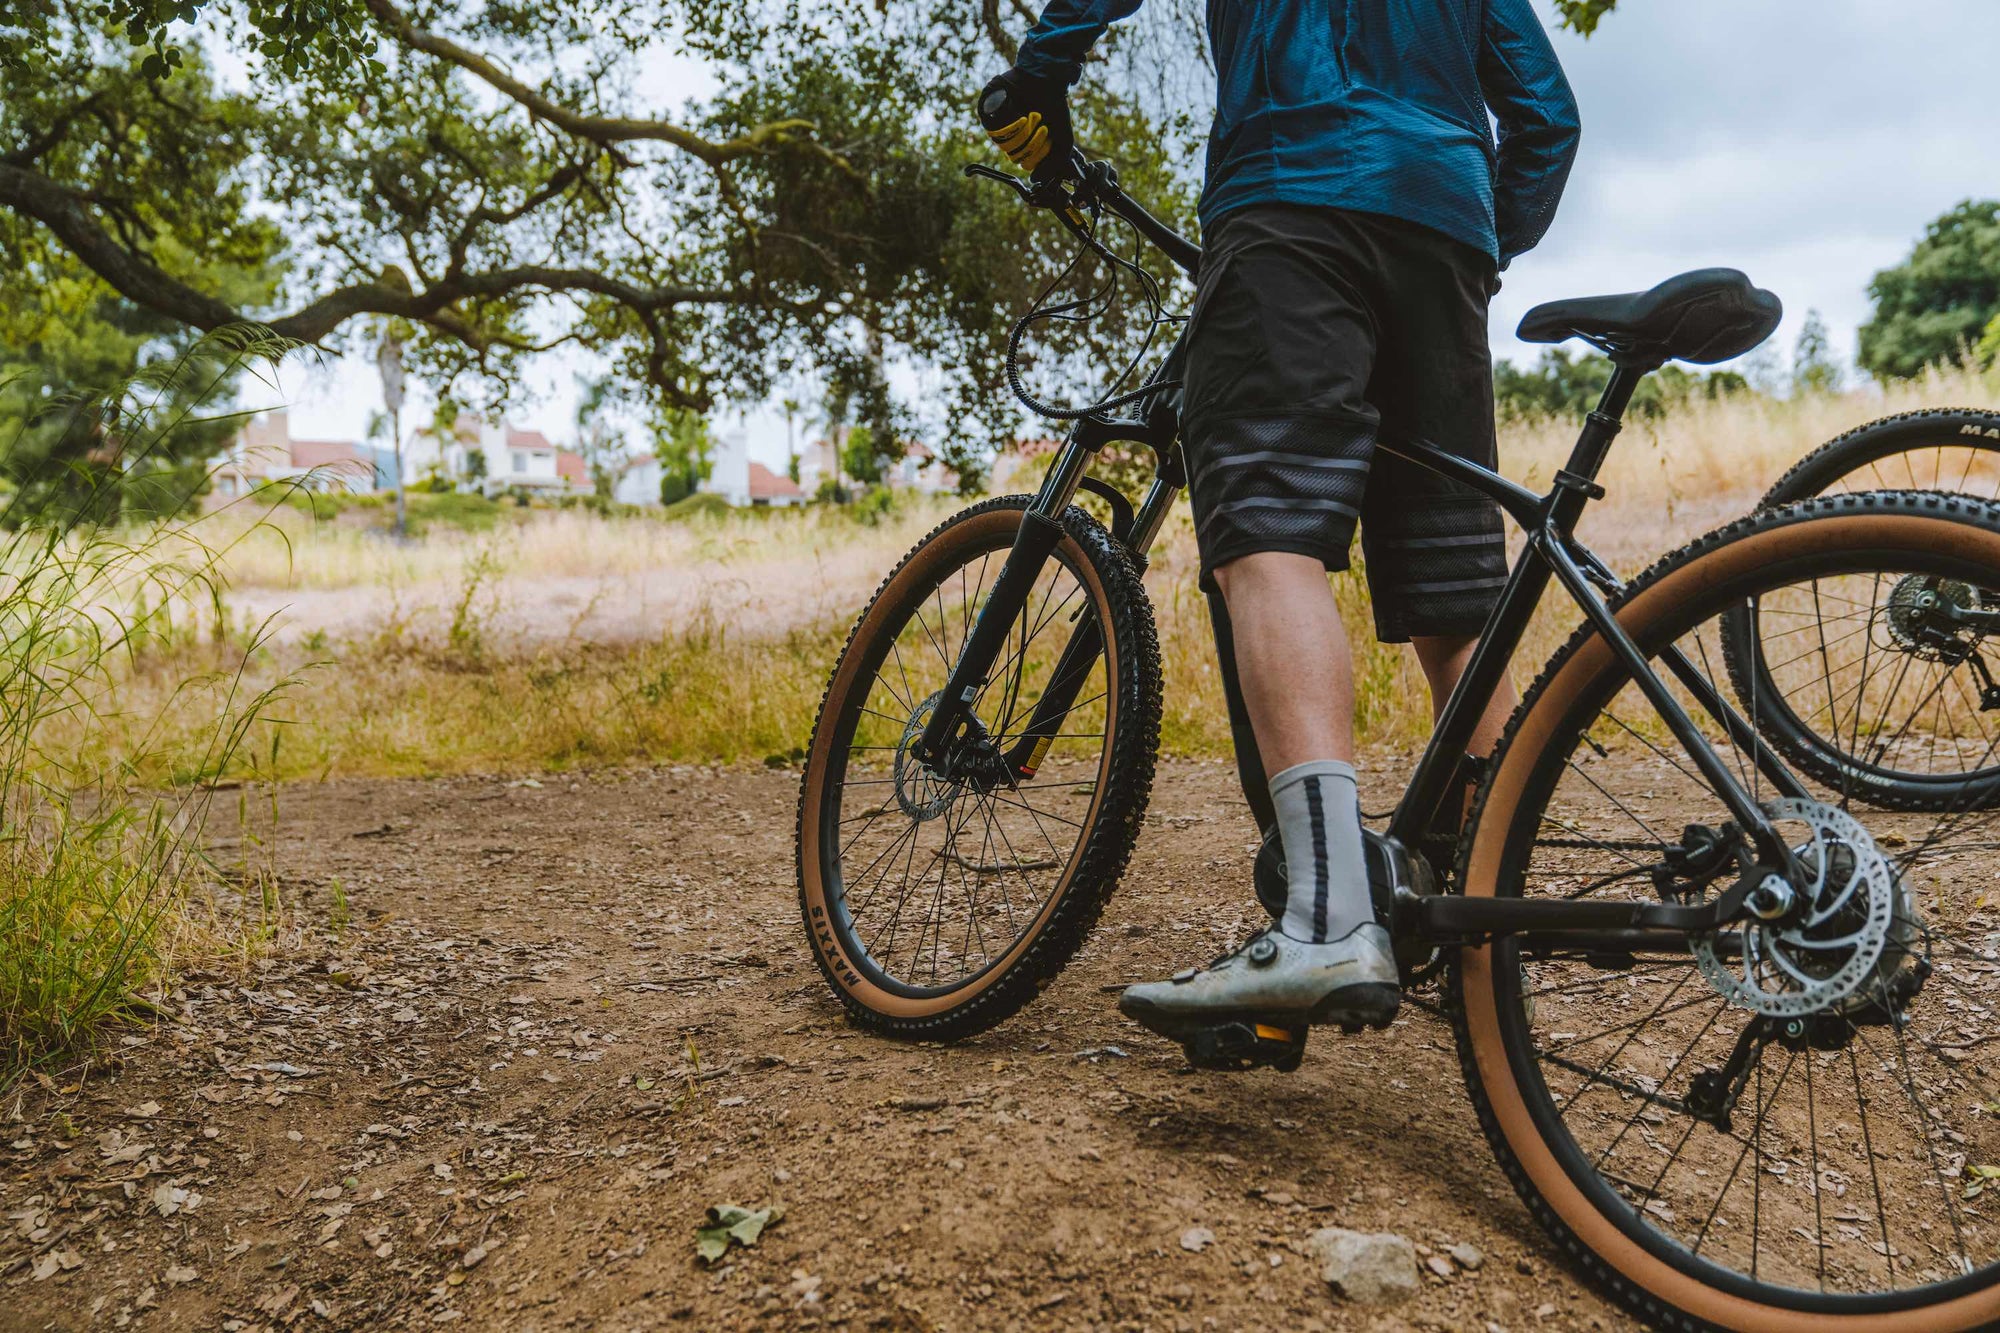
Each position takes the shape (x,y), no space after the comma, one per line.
(1833,947)
(922,794)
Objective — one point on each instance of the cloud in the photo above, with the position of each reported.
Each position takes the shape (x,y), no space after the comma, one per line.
(1806,142)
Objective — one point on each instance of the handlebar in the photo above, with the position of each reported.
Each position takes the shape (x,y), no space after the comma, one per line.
(1096,182)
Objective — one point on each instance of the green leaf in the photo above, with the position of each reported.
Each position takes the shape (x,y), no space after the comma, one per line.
(731,1222)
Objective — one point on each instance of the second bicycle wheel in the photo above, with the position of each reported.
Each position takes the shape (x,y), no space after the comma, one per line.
(938,907)
(1914,629)
(1771,1127)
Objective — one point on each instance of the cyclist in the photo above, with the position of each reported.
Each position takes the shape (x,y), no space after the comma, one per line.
(1356,214)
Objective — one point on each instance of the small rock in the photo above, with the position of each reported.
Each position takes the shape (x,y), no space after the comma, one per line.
(179,1276)
(474,1256)
(1440,1265)
(1468,1257)
(1370,1268)
(1196,1239)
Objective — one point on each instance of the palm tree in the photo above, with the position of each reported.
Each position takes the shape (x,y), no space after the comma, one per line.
(791,407)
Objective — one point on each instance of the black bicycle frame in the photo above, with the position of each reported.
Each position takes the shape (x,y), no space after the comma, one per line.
(1429,807)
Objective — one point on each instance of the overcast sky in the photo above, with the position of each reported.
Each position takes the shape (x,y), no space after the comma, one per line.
(1806,142)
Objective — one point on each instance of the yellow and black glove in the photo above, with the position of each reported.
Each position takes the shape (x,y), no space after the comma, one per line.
(1028,118)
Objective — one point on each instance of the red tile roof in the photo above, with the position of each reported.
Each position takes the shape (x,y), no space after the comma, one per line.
(768,485)
(527,439)
(328,454)
(570,467)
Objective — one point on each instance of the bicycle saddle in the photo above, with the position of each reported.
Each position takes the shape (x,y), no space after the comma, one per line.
(1708,315)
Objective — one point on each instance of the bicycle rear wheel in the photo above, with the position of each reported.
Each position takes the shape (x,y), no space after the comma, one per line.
(936,908)
(1758,1130)
(1818,723)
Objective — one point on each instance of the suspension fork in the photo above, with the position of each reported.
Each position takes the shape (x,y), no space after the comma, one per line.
(1086,644)
(1041,530)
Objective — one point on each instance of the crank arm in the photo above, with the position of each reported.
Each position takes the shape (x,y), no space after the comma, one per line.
(1552,922)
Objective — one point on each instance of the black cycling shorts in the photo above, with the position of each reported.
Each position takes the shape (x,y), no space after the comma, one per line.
(1315,331)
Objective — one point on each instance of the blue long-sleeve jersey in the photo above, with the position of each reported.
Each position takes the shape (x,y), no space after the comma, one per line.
(1374,105)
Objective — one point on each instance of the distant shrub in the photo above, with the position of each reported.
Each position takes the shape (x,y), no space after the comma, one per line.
(873,505)
(701,504)
(465,511)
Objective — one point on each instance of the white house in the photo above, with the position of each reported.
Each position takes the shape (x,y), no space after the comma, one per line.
(744,483)
(729,469)
(918,470)
(638,481)
(509,458)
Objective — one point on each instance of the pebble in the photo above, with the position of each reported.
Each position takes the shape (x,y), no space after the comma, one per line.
(1196,1239)
(1369,1268)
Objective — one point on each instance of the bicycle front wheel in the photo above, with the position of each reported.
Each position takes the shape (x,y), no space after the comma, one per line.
(1776,1127)
(1824,725)
(938,907)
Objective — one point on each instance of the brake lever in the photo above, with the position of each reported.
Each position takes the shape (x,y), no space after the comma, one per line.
(1081,186)
(1011,181)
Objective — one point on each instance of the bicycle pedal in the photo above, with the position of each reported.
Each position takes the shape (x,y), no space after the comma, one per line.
(1247,1044)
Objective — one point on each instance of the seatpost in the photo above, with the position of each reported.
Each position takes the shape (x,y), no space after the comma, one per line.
(1578,479)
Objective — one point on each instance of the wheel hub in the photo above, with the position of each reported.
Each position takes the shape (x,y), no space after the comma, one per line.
(920,791)
(1822,942)
(924,790)
(1917,621)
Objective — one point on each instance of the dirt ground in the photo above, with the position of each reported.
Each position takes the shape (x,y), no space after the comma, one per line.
(565,1018)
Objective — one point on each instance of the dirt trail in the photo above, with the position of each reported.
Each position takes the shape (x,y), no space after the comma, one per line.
(567,1018)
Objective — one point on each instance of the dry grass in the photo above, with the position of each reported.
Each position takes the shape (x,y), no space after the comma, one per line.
(568,639)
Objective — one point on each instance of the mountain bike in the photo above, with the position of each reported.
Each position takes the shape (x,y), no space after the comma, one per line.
(1724,1027)
(1932,634)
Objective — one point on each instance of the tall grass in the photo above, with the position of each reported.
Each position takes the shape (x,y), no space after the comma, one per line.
(571,639)
(108,767)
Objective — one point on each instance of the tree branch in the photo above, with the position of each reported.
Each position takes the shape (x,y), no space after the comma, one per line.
(67,214)
(597,129)
(996,32)
(53,132)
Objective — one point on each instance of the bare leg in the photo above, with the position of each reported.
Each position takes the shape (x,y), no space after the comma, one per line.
(1291,657)
(1444,659)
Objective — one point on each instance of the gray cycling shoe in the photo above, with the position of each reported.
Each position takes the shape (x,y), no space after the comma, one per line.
(1254,1006)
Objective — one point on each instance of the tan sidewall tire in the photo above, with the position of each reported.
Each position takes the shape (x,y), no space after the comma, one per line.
(973,532)
(1552,702)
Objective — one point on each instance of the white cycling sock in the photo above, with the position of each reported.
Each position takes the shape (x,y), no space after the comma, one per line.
(1319,823)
